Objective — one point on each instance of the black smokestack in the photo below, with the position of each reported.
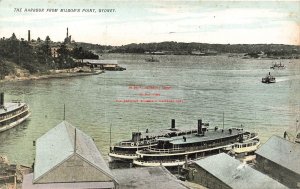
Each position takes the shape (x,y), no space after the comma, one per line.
(136,136)
(200,126)
(173,124)
(29,36)
(1,99)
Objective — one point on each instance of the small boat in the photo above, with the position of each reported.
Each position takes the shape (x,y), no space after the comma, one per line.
(12,113)
(268,79)
(151,59)
(278,66)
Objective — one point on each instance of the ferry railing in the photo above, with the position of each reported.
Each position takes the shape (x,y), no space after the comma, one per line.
(160,161)
(157,150)
(150,150)
(11,115)
(136,144)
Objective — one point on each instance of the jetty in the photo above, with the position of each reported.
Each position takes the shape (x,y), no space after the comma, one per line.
(108,65)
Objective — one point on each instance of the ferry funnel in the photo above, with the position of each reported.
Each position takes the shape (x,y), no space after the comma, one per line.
(173,124)
(1,99)
(199,126)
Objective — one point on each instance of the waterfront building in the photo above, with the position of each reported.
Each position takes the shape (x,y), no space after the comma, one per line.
(280,159)
(222,171)
(147,178)
(68,158)
(109,65)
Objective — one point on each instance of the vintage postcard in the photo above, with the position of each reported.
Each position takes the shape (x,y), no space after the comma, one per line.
(149,94)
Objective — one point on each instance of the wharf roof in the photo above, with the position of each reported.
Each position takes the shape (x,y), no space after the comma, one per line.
(146,178)
(58,145)
(209,135)
(281,152)
(236,174)
(93,61)
(27,184)
(10,106)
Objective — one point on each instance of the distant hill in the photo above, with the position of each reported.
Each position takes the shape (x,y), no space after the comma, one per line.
(171,47)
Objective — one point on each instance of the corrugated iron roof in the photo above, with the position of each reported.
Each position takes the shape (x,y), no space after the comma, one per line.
(57,145)
(236,174)
(146,178)
(282,152)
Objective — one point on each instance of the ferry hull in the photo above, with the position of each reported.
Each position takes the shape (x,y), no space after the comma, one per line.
(156,164)
(122,157)
(13,124)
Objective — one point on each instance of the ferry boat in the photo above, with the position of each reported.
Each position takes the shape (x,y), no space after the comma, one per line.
(12,114)
(268,79)
(278,66)
(245,151)
(126,150)
(173,151)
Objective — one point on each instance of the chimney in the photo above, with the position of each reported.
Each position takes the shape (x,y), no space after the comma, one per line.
(200,126)
(67,32)
(1,99)
(29,36)
(173,124)
(269,73)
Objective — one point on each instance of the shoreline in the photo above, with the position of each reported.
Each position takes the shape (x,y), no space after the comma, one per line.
(54,74)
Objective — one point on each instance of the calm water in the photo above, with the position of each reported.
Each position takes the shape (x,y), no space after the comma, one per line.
(208,87)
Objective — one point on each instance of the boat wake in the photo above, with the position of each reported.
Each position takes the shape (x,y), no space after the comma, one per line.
(282,79)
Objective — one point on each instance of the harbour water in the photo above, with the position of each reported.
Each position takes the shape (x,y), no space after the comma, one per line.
(149,94)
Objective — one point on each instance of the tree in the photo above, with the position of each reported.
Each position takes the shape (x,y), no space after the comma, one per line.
(46,46)
(13,37)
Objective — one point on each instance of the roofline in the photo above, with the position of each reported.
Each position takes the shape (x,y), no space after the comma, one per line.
(54,167)
(90,163)
(279,165)
(213,175)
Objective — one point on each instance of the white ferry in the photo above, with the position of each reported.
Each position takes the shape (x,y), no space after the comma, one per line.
(12,114)
(174,151)
(126,150)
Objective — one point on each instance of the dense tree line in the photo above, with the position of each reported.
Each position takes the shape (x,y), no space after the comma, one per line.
(188,48)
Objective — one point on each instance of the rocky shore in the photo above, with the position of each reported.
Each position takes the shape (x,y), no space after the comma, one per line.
(23,75)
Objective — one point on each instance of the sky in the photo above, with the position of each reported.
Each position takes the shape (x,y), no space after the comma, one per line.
(224,22)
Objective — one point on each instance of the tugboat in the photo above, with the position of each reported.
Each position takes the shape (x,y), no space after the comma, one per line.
(175,151)
(278,66)
(125,151)
(12,114)
(268,79)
